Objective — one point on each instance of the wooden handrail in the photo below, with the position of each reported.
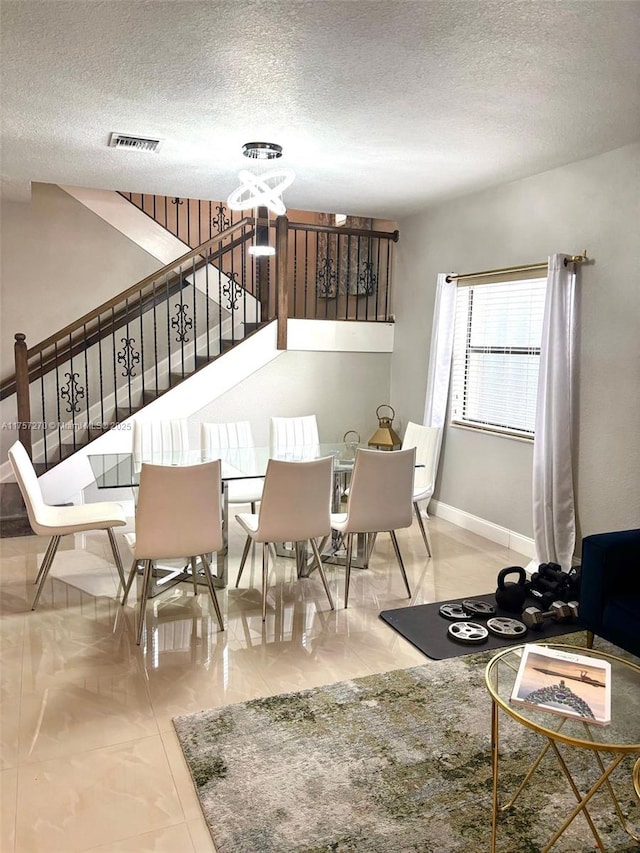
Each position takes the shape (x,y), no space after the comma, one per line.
(341,229)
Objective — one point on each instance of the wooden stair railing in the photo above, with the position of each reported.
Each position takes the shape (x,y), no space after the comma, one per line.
(82,380)
(103,367)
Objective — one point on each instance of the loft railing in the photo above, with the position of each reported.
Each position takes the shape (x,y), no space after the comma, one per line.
(102,368)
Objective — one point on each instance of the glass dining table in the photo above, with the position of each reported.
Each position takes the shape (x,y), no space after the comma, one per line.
(122,471)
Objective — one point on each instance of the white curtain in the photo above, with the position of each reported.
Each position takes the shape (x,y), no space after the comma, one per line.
(444,315)
(554,524)
(435,409)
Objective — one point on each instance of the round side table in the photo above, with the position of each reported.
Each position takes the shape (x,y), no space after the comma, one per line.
(609,743)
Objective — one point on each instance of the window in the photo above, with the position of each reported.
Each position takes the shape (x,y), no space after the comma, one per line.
(496,353)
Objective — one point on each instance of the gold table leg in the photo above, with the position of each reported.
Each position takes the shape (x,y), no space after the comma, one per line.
(494,766)
(582,800)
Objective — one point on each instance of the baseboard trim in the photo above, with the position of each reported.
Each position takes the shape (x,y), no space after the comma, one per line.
(502,535)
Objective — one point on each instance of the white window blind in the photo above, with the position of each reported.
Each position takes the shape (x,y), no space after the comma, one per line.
(496,353)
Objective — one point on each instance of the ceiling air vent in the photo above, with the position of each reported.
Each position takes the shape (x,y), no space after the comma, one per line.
(137,143)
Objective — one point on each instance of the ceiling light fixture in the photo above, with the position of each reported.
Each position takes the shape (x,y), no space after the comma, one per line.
(265,188)
(261,189)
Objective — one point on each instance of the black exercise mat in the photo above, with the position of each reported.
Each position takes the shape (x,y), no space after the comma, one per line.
(423,626)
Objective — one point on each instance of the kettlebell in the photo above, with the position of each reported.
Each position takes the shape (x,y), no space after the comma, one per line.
(511,596)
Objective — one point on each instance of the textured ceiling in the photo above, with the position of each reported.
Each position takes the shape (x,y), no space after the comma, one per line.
(382,107)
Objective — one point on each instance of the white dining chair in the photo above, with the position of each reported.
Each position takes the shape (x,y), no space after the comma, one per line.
(59,521)
(426,441)
(160,441)
(295,507)
(179,515)
(380,499)
(228,436)
(296,437)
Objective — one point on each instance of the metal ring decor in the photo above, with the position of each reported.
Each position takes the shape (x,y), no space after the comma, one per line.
(355,440)
(385,406)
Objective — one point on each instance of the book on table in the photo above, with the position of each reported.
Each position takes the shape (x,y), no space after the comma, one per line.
(565,683)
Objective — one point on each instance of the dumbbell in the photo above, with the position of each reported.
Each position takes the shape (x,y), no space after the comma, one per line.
(559,611)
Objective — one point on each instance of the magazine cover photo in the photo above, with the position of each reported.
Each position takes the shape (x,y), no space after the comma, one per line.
(572,685)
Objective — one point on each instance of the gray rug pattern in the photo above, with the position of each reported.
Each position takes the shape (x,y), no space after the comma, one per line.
(391,763)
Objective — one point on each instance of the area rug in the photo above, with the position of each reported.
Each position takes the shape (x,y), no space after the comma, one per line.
(424,627)
(390,763)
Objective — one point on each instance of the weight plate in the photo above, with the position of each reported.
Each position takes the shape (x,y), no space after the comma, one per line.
(479,608)
(468,632)
(501,626)
(454,612)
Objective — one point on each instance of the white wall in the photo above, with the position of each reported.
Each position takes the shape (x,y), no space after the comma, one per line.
(595,204)
(343,389)
(49,277)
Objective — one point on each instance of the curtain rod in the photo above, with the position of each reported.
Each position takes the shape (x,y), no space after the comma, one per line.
(572,259)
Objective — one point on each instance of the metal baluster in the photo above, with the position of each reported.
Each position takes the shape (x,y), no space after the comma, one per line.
(195,316)
(141,351)
(155,336)
(295,273)
(206,291)
(101,395)
(220,306)
(359,239)
(115,377)
(167,303)
(86,382)
(386,281)
(306,270)
(349,238)
(57,368)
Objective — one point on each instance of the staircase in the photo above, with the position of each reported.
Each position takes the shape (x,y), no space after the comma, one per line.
(84,383)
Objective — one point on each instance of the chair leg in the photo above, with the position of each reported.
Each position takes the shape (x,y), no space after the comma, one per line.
(423,529)
(394,539)
(116,554)
(212,589)
(347,576)
(46,560)
(46,565)
(146,582)
(316,554)
(265,575)
(194,575)
(132,574)
(245,554)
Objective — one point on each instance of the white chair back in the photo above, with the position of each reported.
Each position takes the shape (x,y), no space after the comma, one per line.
(296,432)
(223,436)
(29,487)
(426,441)
(156,441)
(179,511)
(381,491)
(296,501)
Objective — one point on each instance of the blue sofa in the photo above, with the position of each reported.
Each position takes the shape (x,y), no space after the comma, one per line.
(610,588)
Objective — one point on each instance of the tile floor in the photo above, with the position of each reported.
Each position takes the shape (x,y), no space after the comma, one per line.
(89,758)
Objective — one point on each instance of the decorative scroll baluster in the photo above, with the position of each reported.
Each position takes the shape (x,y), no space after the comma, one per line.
(367,279)
(128,356)
(232,290)
(220,222)
(182,323)
(327,277)
(72,392)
